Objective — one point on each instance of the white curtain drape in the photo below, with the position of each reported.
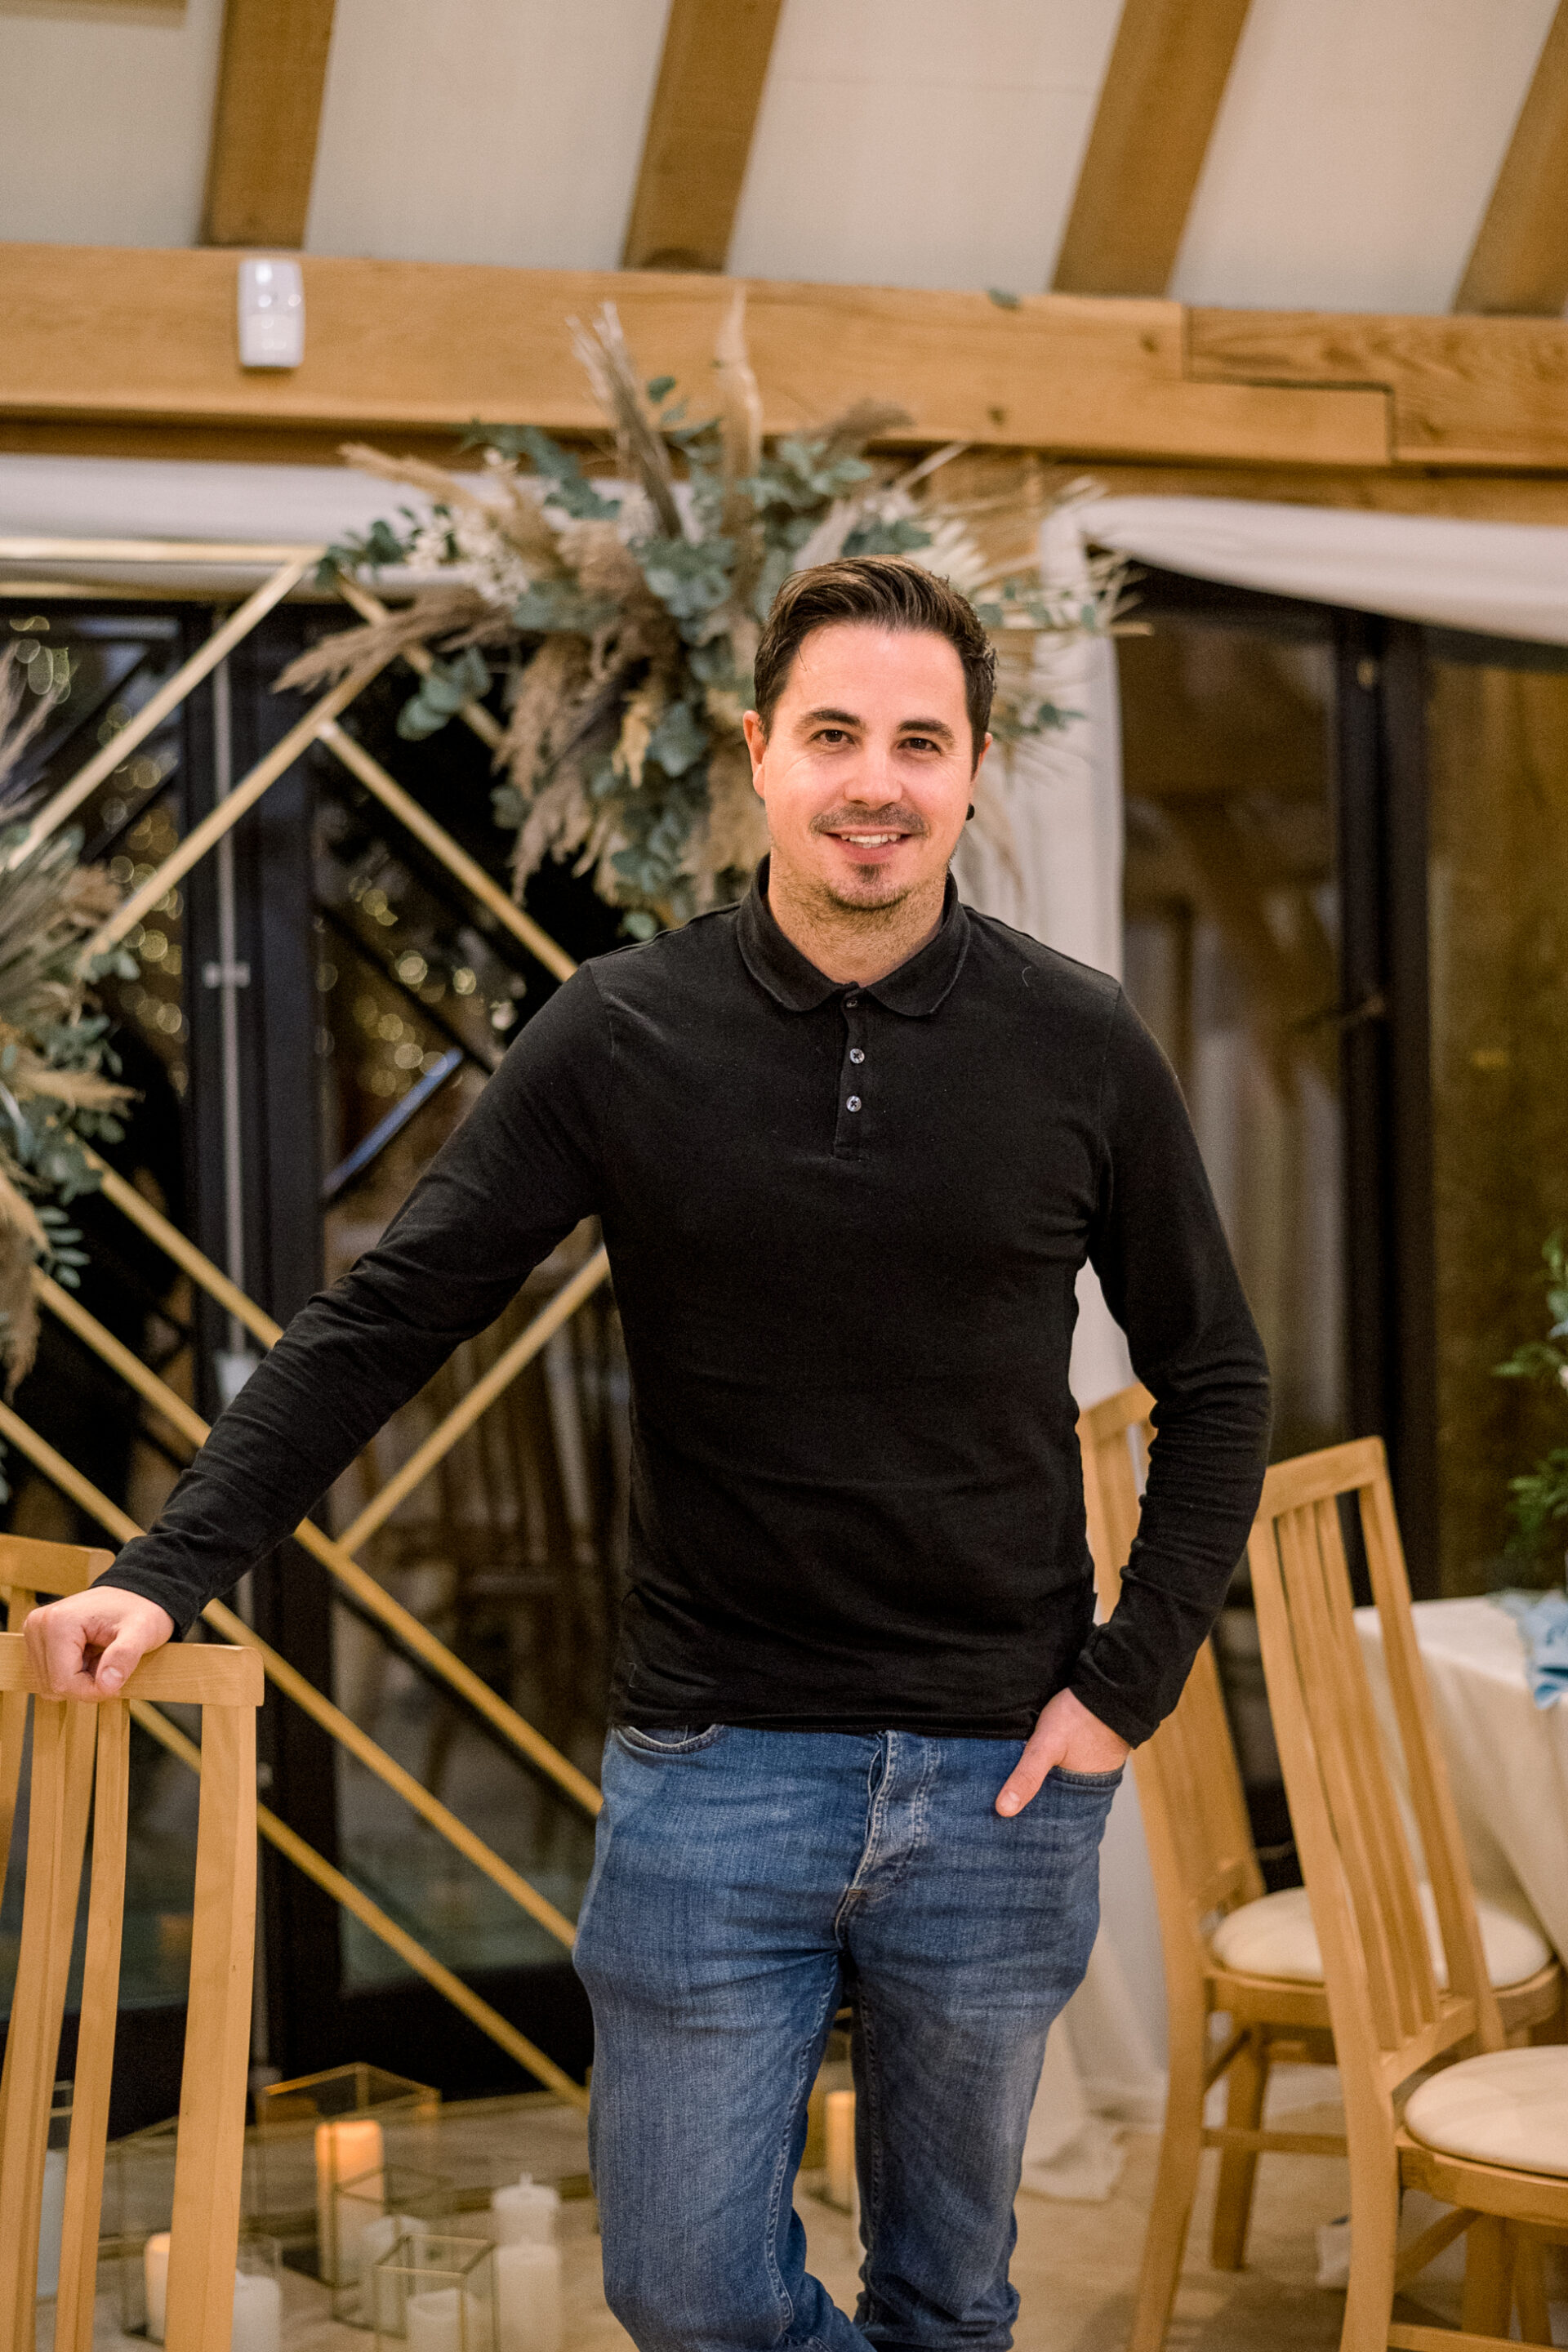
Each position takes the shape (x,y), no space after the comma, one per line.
(1500,578)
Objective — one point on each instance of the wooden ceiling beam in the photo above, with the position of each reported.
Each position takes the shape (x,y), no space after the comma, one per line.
(141,334)
(272,73)
(1167,75)
(698,137)
(1462,391)
(1519,260)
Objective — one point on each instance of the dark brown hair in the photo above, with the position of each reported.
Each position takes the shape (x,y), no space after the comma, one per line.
(888,592)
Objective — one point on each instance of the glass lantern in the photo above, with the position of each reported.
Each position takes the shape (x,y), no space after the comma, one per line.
(432,2293)
(371,2214)
(320,2131)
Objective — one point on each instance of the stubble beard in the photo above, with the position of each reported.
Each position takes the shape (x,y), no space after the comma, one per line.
(873,896)
(879,900)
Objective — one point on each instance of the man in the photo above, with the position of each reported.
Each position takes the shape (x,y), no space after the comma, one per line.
(851,1144)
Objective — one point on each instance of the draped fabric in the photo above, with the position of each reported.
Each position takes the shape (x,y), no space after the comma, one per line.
(1500,579)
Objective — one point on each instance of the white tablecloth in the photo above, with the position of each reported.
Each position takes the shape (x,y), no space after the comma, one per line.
(1508,1758)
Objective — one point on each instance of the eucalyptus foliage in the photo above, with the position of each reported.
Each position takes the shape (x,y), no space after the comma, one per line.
(618,624)
(1538,1499)
(59,1090)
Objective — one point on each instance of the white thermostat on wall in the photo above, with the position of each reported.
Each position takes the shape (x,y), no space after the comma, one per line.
(271,314)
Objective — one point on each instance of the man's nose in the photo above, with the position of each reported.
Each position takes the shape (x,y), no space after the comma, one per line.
(871,782)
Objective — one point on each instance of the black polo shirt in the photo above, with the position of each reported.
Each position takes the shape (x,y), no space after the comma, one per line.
(845,1225)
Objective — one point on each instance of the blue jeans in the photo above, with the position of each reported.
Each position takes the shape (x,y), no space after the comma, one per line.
(744,1882)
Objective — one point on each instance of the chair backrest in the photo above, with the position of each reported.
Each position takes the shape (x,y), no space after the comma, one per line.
(1189,1783)
(29,1567)
(1389,2016)
(80,1765)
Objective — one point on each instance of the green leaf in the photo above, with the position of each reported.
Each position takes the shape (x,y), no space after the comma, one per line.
(894,538)
(637,923)
(569,487)
(443,691)
(677,741)
(1002,300)
(660,387)
(559,606)
(689,577)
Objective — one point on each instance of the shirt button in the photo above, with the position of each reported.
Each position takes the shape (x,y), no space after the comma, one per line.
(856,1055)
(853,1103)
(850,1002)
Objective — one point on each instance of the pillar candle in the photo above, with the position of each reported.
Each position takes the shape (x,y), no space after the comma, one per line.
(524,2215)
(379,2236)
(155,2271)
(434,2322)
(528,2298)
(839,2120)
(345,2150)
(258,2313)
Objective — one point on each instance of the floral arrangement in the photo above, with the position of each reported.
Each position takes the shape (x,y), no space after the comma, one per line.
(621,622)
(55,1093)
(1538,1500)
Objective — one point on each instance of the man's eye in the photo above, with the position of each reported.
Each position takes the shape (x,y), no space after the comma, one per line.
(919,743)
(832,735)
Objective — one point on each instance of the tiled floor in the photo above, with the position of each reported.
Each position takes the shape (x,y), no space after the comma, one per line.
(1075,2267)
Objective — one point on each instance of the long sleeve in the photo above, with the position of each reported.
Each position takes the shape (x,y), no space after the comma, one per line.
(1170,1282)
(522,1170)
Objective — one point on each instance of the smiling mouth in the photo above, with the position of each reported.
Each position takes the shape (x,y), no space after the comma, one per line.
(871,840)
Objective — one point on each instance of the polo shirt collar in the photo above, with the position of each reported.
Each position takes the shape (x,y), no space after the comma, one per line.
(916,986)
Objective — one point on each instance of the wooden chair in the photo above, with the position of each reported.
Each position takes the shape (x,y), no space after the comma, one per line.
(80,1764)
(1209,1892)
(1489,2135)
(27,1567)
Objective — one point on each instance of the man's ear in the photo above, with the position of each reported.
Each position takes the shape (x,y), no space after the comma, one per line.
(756,744)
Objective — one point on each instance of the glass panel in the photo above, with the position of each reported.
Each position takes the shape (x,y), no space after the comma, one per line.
(1231,958)
(1231,909)
(511,1549)
(1498,756)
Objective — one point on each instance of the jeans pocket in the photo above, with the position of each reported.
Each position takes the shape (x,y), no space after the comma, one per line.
(681,1741)
(1088,1780)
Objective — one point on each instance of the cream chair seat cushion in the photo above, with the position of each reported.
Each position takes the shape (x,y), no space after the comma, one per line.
(1275,1937)
(1510,2107)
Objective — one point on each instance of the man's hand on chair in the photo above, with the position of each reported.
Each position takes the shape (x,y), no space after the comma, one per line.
(1068,1734)
(86,1645)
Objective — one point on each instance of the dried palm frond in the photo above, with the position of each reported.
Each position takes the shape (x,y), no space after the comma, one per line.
(433,616)
(50,907)
(16,734)
(643,713)
(79,1090)
(737,835)
(558,821)
(641,447)
(846,435)
(445,488)
(547,691)
(740,398)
